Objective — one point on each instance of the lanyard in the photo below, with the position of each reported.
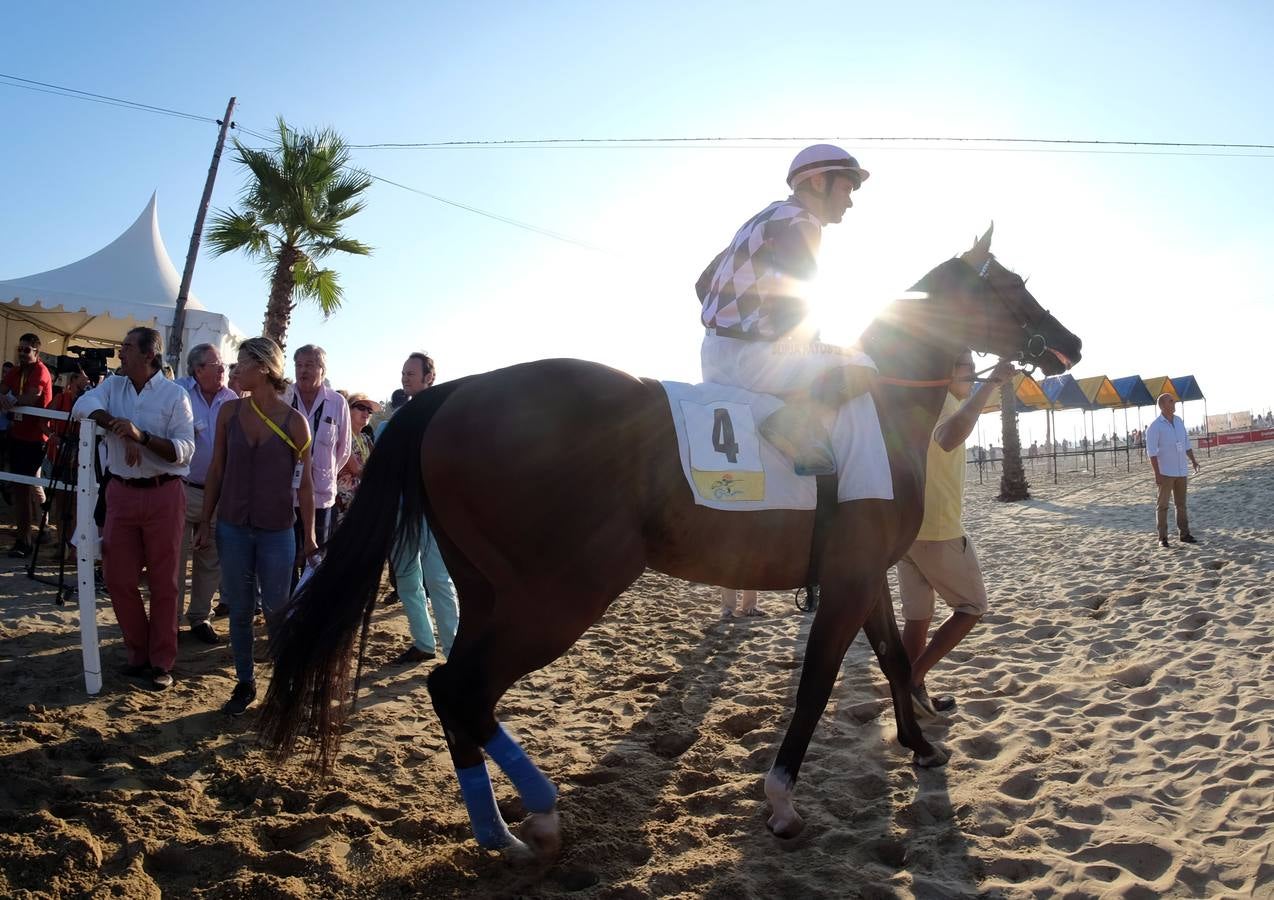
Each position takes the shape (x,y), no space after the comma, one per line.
(296,399)
(277,430)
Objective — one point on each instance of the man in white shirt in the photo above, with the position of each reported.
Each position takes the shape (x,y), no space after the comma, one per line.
(150,440)
(1168,446)
(328,414)
(206,385)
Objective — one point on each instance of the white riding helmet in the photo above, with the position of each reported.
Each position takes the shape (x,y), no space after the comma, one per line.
(824,158)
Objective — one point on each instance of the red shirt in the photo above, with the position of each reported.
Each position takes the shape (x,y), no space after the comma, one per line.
(23,380)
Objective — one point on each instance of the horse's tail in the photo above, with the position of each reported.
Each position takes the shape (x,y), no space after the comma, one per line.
(313,646)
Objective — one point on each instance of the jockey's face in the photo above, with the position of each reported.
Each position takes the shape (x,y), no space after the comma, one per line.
(830,203)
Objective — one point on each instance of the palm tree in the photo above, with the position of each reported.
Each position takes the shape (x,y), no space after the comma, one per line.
(300,194)
(1013,484)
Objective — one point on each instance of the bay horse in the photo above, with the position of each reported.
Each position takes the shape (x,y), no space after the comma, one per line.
(551,486)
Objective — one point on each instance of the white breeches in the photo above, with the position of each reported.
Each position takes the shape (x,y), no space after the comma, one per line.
(773,367)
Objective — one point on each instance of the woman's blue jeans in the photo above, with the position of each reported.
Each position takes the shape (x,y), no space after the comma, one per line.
(253,558)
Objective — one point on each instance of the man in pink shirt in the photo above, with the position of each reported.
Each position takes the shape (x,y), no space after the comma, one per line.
(328,415)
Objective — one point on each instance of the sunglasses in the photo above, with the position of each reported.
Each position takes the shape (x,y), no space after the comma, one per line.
(361,408)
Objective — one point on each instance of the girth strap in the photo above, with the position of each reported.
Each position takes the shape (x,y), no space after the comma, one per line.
(824,510)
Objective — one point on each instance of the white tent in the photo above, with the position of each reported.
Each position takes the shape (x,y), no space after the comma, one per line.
(94,302)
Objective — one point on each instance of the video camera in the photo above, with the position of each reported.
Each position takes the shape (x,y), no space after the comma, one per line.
(90,360)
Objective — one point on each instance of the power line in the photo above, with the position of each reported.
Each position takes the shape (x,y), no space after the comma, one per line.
(724,142)
(778,140)
(778,146)
(1020,145)
(74,94)
(527,226)
(556,235)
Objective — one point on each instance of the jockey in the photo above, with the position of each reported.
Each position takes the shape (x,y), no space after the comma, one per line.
(755,309)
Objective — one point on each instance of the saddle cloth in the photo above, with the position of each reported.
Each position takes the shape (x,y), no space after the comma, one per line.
(728,465)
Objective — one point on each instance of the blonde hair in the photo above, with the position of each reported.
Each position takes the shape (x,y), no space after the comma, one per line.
(269,355)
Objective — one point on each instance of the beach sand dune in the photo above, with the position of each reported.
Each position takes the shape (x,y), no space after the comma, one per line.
(1113,738)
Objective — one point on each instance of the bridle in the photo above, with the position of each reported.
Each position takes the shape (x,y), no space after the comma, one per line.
(1033,349)
(1035,346)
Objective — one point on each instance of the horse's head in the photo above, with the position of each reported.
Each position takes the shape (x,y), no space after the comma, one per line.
(987,308)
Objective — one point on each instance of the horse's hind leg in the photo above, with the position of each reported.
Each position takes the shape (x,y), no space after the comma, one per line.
(488,826)
(882,632)
(529,632)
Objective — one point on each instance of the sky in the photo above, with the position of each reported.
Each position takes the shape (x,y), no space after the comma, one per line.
(1158,258)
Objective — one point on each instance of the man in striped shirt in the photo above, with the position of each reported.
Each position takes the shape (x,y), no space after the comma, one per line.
(755,309)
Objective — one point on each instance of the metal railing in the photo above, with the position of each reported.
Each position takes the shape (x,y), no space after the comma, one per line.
(85,533)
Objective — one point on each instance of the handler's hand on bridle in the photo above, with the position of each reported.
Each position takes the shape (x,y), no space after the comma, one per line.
(1003,371)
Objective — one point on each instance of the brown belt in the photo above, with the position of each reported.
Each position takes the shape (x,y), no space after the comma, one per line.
(153,481)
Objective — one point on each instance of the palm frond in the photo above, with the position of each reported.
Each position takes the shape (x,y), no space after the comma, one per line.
(349,185)
(321,286)
(339,244)
(230,230)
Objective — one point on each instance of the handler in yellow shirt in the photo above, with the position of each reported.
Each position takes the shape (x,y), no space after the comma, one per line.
(942,558)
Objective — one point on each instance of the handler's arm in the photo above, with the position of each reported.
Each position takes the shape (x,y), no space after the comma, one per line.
(955,430)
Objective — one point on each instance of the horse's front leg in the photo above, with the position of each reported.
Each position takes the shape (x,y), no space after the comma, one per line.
(843,606)
(886,643)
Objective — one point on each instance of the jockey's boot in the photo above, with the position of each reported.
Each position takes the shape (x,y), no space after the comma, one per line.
(796,430)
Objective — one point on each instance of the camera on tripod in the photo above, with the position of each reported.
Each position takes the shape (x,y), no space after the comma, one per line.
(90,360)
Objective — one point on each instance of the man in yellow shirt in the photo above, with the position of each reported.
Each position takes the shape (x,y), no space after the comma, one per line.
(942,559)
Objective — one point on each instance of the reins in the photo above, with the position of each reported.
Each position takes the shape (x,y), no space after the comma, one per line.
(934,382)
(912,383)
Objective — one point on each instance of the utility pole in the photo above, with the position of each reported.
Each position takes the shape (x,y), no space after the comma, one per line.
(183,294)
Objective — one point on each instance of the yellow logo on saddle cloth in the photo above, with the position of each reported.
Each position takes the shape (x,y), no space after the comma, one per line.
(725,452)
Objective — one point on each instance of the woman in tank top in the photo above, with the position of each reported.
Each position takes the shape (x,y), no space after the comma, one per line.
(260,462)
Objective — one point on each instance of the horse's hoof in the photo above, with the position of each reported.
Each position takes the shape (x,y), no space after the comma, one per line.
(785,828)
(517,852)
(937,756)
(543,834)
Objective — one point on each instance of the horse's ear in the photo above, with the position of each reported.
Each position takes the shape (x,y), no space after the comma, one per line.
(981,249)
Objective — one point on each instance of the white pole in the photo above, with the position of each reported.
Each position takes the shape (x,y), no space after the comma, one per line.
(86,552)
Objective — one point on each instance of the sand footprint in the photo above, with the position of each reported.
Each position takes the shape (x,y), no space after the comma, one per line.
(1189,627)
(1143,859)
(1022,786)
(1136,675)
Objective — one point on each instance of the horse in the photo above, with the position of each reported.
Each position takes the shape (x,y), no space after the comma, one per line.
(551,486)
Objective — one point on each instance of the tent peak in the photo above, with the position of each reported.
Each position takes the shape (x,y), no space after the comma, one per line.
(135,268)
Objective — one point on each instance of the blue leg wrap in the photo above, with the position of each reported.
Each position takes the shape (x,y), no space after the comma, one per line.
(537,792)
(484,816)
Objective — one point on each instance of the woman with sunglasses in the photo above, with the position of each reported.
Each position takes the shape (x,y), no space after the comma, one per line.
(361,408)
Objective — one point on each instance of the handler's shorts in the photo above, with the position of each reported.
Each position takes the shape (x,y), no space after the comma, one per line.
(948,567)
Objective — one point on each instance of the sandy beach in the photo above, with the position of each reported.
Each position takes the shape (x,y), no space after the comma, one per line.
(1114,737)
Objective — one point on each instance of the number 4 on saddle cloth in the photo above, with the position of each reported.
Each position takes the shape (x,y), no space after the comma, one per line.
(728,465)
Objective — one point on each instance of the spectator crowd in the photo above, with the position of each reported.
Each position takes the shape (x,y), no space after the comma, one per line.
(233,472)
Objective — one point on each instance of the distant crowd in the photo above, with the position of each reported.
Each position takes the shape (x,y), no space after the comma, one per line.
(234,473)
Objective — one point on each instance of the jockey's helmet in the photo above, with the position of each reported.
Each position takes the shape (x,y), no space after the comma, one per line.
(820,158)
